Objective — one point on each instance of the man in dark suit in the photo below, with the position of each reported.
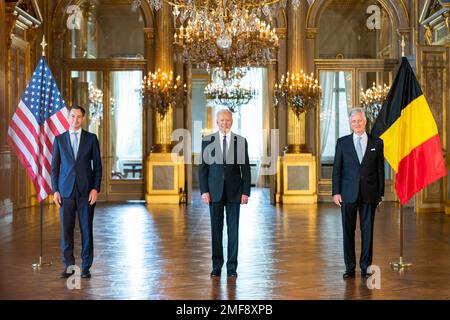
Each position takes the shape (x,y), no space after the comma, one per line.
(76,179)
(224,176)
(358,183)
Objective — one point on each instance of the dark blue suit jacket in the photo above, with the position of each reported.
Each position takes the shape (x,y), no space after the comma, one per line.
(350,177)
(234,176)
(85,171)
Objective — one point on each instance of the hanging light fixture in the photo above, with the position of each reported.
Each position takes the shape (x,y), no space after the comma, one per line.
(225,33)
(301,91)
(372,100)
(162,90)
(95,104)
(230,93)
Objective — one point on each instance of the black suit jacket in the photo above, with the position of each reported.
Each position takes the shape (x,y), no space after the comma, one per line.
(350,177)
(214,175)
(85,171)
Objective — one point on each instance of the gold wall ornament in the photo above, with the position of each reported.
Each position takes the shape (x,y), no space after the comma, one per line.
(300,91)
(372,100)
(161,90)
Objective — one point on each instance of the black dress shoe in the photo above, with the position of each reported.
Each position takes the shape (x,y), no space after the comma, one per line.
(65,274)
(215,273)
(348,274)
(366,275)
(86,274)
(232,274)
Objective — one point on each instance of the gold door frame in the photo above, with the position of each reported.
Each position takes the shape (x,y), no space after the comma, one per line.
(112,190)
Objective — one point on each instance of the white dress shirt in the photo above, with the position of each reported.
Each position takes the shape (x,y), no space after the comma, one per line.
(228,135)
(363,142)
(72,137)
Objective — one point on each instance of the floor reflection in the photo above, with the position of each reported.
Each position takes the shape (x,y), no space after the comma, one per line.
(164,252)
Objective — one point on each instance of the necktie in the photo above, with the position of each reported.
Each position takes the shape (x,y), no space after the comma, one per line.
(224,149)
(75,144)
(359,150)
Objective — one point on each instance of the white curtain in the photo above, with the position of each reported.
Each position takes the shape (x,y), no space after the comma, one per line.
(127,117)
(336,102)
(327,79)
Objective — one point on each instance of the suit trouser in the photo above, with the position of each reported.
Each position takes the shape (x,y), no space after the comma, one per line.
(216,210)
(70,205)
(366,219)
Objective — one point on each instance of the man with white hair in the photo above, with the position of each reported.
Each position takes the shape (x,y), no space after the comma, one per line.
(358,184)
(224,176)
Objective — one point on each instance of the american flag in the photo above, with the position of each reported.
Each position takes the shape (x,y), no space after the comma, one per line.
(40,116)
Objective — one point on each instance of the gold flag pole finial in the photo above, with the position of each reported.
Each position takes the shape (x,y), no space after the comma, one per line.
(43,45)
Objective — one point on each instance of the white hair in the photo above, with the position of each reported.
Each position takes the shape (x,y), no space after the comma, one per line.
(224,111)
(355,111)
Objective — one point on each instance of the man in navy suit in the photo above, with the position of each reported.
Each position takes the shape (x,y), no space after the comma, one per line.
(76,179)
(224,176)
(358,183)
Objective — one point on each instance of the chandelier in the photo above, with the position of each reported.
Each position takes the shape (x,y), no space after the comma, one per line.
(95,104)
(302,92)
(217,39)
(372,100)
(231,97)
(161,90)
(230,93)
(225,33)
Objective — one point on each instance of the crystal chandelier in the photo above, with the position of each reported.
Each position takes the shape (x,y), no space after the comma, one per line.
(302,92)
(231,95)
(161,90)
(225,33)
(372,100)
(95,104)
(226,40)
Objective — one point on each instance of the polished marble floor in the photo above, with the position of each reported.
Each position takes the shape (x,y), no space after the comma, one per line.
(286,252)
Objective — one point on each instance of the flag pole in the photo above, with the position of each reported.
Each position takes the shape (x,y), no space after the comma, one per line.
(400,265)
(41,206)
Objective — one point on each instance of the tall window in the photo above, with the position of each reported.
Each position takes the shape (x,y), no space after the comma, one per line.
(335,105)
(126,125)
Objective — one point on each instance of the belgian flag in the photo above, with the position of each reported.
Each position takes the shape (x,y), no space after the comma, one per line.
(411,140)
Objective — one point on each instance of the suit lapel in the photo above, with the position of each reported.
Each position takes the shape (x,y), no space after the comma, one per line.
(352,146)
(69,144)
(368,147)
(218,146)
(231,149)
(82,137)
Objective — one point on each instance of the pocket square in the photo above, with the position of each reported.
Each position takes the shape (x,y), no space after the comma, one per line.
(373,149)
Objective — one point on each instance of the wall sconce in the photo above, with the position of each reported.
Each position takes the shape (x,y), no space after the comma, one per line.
(302,92)
(161,90)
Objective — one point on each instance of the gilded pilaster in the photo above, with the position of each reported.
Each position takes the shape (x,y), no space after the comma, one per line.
(296,125)
(163,124)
